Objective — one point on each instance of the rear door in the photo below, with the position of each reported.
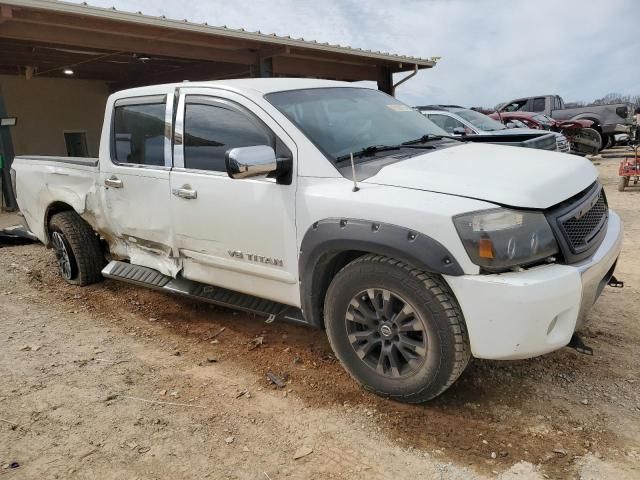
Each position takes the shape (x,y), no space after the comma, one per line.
(237,234)
(136,181)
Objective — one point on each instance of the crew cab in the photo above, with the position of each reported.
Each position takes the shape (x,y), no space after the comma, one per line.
(338,207)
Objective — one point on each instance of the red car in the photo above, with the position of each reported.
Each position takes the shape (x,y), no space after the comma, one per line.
(584,140)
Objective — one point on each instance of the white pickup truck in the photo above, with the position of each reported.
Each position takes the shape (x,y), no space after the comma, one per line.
(414,256)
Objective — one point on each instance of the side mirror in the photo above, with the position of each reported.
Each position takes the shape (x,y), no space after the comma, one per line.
(247,162)
(459,131)
(510,125)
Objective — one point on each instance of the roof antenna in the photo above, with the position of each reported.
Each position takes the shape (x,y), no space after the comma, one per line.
(353,173)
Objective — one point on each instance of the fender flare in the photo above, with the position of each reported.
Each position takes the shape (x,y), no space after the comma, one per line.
(329,238)
(60,199)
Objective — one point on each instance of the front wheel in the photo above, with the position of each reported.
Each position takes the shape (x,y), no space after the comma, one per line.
(623,183)
(397,330)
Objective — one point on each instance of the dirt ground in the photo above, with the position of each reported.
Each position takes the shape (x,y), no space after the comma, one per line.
(113,381)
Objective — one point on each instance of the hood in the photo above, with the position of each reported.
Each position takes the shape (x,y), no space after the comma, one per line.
(517,131)
(512,176)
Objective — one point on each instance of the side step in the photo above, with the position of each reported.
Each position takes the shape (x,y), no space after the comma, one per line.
(148,277)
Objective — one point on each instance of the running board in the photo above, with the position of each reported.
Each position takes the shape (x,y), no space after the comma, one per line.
(148,277)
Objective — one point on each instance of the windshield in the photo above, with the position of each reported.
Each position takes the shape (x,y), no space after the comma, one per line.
(341,120)
(480,120)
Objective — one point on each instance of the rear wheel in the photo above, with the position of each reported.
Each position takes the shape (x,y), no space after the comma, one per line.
(77,248)
(397,330)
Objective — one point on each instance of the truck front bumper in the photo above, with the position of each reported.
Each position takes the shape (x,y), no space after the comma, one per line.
(525,314)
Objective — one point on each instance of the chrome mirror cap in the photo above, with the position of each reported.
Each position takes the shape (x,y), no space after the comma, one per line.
(247,162)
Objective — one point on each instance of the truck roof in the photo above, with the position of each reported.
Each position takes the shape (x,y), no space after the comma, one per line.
(257,85)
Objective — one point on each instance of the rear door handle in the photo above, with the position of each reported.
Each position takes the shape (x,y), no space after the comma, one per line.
(185,192)
(113,182)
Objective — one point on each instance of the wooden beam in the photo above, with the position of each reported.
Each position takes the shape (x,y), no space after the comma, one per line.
(275,51)
(198,73)
(175,34)
(121,43)
(298,67)
(349,59)
(96,24)
(6,13)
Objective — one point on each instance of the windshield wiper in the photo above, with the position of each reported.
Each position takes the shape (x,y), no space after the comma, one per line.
(367,151)
(423,139)
(430,138)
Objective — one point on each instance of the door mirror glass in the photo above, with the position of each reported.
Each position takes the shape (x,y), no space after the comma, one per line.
(247,162)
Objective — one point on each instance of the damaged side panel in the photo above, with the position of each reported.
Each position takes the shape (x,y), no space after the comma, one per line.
(43,184)
(139,216)
(133,220)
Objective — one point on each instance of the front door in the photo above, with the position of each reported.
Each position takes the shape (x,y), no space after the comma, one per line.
(136,182)
(237,234)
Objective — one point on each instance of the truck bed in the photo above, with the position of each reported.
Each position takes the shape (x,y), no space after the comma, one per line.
(42,180)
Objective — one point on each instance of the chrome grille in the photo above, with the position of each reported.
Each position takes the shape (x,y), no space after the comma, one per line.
(582,227)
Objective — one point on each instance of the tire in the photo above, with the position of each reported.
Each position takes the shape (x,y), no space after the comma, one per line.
(77,247)
(590,135)
(429,352)
(607,141)
(623,183)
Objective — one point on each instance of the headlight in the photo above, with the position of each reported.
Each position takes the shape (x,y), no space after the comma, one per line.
(501,238)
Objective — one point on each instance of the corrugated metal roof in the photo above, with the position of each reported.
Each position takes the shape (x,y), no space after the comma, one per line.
(224,31)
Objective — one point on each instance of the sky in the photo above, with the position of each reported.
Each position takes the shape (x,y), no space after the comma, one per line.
(491,50)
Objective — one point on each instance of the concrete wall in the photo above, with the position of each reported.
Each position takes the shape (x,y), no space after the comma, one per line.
(47,107)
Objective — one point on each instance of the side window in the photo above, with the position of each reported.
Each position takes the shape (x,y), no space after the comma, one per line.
(515,106)
(139,133)
(76,143)
(559,105)
(211,128)
(538,104)
(445,122)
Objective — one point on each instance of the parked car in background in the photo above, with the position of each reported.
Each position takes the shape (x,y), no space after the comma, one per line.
(607,119)
(337,207)
(584,139)
(457,120)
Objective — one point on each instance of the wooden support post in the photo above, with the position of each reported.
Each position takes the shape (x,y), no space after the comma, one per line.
(265,68)
(385,80)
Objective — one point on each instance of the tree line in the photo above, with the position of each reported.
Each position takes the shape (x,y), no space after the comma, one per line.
(633,100)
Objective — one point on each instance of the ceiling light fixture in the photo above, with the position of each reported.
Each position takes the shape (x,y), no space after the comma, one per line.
(67,71)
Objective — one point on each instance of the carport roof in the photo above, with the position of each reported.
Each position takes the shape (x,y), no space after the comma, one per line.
(42,27)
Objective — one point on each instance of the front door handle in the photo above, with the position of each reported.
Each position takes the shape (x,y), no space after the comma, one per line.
(186,192)
(113,182)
